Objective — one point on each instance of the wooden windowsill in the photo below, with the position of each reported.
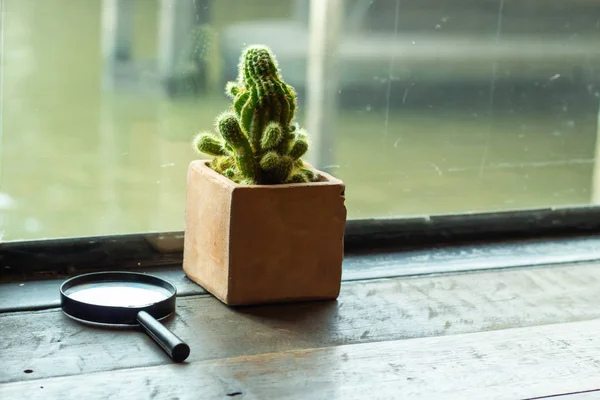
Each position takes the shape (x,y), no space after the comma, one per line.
(522,332)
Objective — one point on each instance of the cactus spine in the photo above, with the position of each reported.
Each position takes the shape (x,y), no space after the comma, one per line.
(259,142)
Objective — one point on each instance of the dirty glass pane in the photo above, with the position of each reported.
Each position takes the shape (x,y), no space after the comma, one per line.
(421,107)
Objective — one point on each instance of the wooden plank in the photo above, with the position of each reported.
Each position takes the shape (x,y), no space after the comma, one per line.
(51,344)
(466,258)
(508,364)
(356,266)
(581,395)
(44,294)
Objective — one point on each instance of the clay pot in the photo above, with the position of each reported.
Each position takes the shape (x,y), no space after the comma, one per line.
(264,243)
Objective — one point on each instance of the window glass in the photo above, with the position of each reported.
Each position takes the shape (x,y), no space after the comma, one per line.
(430,107)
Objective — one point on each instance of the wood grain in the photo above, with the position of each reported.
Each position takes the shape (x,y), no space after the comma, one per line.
(357,265)
(507,364)
(579,395)
(51,344)
(29,295)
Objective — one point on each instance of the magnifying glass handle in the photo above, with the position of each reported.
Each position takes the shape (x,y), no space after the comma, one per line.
(177,349)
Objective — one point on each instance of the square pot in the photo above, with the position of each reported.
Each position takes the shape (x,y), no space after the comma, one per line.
(252,244)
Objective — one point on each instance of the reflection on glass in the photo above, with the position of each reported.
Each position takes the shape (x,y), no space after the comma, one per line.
(438,107)
(118,294)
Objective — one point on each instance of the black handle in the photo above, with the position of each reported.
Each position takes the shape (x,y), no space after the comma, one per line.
(175,347)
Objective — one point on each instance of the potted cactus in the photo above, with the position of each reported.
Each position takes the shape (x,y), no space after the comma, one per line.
(262,225)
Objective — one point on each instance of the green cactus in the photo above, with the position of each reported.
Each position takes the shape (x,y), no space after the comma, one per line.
(259,144)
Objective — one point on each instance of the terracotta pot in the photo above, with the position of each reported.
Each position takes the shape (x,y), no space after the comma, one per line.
(264,243)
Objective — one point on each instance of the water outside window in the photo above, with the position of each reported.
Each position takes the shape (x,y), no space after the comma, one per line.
(439,106)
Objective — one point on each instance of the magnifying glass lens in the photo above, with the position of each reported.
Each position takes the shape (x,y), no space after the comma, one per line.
(118,294)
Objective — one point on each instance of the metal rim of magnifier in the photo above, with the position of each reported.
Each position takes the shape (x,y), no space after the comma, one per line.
(116,315)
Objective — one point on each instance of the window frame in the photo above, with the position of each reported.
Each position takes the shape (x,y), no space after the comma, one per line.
(147,249)
(68,256)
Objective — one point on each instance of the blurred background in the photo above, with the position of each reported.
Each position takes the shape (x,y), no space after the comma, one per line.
(421,106)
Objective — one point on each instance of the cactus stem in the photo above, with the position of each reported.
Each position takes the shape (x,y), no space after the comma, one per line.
(230,130)
(262,143)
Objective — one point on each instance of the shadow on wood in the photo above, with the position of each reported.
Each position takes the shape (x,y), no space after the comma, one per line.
(299,317)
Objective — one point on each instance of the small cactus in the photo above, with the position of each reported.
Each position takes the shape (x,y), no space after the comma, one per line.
(259,143)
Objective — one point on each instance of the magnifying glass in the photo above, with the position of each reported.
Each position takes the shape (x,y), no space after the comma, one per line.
(125,298)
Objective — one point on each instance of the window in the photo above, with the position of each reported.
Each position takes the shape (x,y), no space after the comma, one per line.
(472,121)
(430,108)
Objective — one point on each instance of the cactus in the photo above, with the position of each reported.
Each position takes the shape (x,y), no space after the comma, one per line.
(259,143)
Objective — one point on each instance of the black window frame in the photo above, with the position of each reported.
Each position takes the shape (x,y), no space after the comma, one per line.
(68,256)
